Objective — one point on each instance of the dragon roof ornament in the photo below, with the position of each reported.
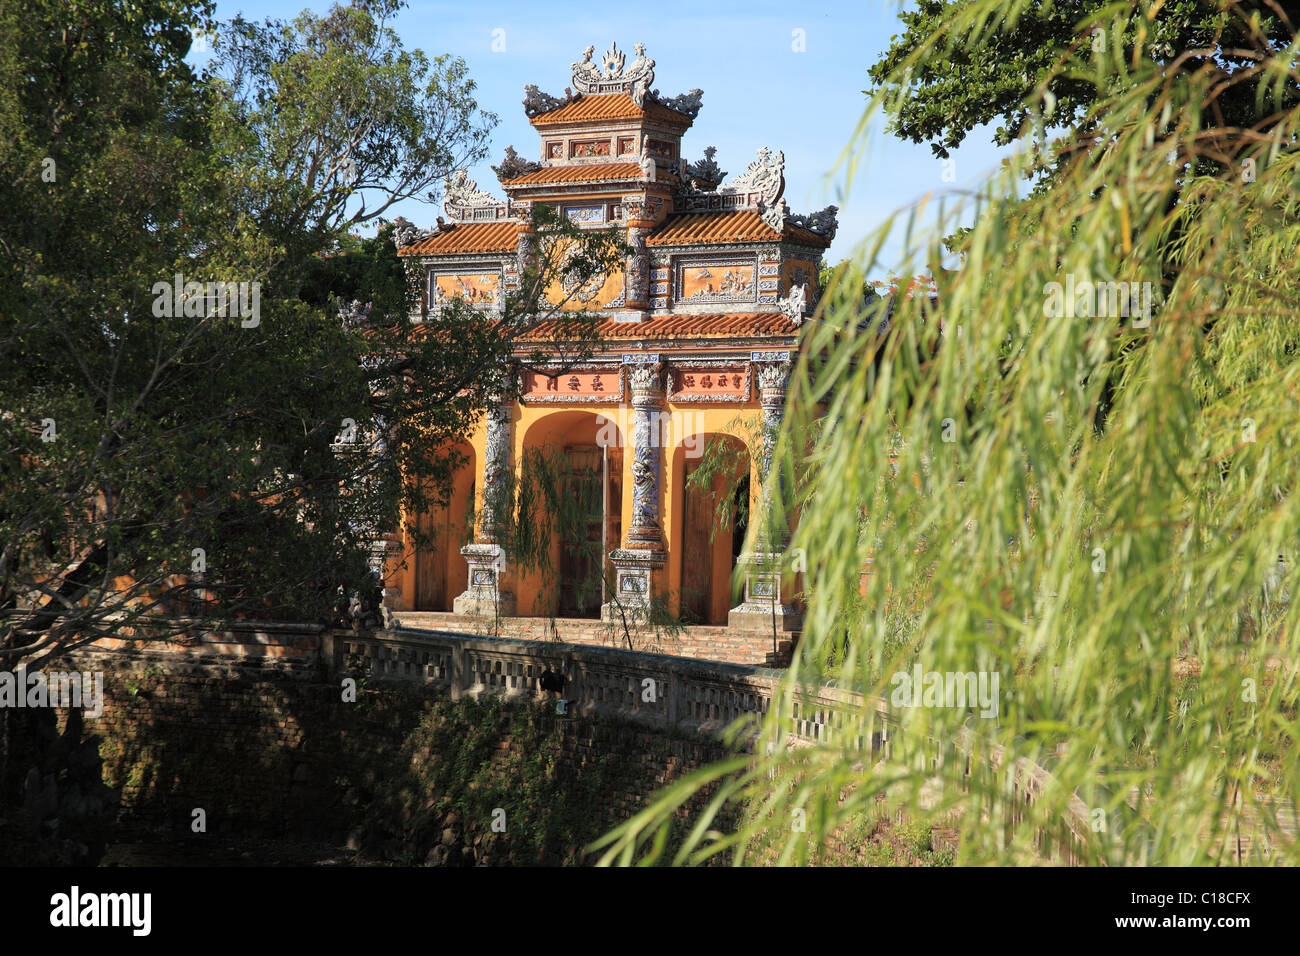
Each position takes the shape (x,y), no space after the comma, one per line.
(406,232)
(688,103)
(465,201)
(823,222)
(514,166)
(795,305)
(764,176)
(706,174)
(536,102)
(614,78)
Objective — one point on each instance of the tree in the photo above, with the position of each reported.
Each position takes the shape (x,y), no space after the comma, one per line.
(181,390)
(1121,578)
(958,66)
(168,449)
(333,122)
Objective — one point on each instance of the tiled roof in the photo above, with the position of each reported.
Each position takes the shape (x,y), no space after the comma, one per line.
(467,237)
(606,108)
(710,326)
(742,226)
(594,173)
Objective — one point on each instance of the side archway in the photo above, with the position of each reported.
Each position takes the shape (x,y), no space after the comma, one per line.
(712,487)
(439,569)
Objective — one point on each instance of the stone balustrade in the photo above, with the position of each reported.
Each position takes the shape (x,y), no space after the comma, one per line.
(690,697)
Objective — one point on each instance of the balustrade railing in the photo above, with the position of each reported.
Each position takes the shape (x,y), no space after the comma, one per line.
(685,696)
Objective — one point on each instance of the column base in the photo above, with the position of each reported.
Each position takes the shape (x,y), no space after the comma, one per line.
(472,604)
(757,618)
(762,600)
(634,570)
(484,597)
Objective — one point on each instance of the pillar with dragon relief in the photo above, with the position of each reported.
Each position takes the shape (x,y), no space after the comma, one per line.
(636,565)
(763,606)
(486,594)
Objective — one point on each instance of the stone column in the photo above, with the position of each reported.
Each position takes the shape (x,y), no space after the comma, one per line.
(636,564)
(763,598)
(773,377)
(485,596)
(384,546)
(639,219)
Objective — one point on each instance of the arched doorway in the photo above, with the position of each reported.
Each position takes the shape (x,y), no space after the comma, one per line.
(581,453)
(440,570)
(713,490)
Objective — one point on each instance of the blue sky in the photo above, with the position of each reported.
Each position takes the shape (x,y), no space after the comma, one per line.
(758,89)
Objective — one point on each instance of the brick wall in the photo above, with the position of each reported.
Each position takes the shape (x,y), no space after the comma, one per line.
(270,749)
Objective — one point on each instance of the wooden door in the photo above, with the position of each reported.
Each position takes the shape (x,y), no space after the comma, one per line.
(431,562)
(697,550)
(580,557)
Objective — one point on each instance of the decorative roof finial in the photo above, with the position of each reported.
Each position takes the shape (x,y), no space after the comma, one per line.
(464,200)
(636,79)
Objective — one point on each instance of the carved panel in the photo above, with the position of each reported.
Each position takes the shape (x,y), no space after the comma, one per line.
(586,215)
(715,279)
(661,149)
(709,384)
(588,148)
(476,288)
(598,385)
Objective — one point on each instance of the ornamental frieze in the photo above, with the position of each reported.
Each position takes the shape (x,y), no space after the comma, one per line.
(473,288)
(696,384)
(701,280)
(590,386)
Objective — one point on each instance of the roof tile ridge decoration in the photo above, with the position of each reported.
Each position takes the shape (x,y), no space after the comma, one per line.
(761,186)
(617,76)
(635,80)
(465,202)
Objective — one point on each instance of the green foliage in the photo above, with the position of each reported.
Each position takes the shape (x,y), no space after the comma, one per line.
(958,66)
(1087,505)
(458,765)
(194,468)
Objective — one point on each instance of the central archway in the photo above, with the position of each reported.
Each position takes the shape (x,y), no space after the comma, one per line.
(574,449)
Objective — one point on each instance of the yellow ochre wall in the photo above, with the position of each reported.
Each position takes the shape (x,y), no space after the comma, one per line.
(687,419)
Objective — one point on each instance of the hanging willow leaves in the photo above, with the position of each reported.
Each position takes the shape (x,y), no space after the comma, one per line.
(1085,490)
